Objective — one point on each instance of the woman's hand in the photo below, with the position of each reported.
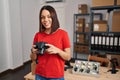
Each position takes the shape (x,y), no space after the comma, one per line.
(52,49)
(33,54)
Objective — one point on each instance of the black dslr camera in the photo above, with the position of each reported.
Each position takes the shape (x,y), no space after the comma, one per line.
(41,47)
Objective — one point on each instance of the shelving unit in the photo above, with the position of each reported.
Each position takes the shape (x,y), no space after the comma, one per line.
(81,33)
(107,42)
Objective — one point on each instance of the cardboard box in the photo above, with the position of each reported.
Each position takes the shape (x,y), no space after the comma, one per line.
(79,29)
(87,29)
(96,3)
(80,36)
(116,21)
(100,26)
(82,8)
(80,39)
(81,49)
(76,48)
(118,2)
(80,22)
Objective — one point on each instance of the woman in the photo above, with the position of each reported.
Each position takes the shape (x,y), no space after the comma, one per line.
(51,64)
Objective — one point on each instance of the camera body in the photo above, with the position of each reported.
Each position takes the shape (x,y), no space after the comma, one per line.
(41,47)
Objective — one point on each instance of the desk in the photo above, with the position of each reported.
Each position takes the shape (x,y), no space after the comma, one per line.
(104,75)
(29,76)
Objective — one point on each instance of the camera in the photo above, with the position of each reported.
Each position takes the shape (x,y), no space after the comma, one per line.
(41,47)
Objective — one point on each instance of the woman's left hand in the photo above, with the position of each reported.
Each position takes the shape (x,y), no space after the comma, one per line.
(52,49)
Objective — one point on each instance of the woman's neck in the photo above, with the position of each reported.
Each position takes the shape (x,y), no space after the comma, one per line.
(48,31)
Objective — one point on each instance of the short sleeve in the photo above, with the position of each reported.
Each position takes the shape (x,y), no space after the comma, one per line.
(66,41)
(35,38)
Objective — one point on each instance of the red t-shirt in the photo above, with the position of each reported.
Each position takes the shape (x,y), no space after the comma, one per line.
(52,65)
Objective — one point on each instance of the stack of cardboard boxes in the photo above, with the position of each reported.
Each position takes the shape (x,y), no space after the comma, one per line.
(81,38)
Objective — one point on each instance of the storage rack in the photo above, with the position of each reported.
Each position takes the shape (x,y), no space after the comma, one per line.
(86,34)
(115,49)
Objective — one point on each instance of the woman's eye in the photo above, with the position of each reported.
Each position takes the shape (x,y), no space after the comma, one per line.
(49,16)
(42,17)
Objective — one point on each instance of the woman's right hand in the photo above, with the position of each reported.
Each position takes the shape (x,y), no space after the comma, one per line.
(33,54)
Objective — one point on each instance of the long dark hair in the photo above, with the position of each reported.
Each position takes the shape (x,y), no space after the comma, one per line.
(55,23)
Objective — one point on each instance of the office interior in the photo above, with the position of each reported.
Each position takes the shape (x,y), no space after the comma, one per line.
(19,20)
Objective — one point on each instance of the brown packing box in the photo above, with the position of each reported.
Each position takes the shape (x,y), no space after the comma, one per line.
(83,49)
(79,29)
(80,38)
(80,22)
(118,2)
(82,11)
(87,29)
(96,3)
(116,21)
(82,8)
(76,48)
(100,26)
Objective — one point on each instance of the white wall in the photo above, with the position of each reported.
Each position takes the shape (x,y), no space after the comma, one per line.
(11,49)
(3,52)
(19,22)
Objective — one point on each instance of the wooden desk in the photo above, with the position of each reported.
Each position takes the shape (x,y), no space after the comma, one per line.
(104,75)
(29,76)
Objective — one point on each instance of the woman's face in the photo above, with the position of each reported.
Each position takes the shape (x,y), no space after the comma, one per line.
(46,19)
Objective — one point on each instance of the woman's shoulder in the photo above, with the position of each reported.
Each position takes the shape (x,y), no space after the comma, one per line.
(37,33)
(62,30)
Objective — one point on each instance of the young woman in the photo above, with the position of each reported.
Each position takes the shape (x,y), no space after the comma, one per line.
(51,64)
